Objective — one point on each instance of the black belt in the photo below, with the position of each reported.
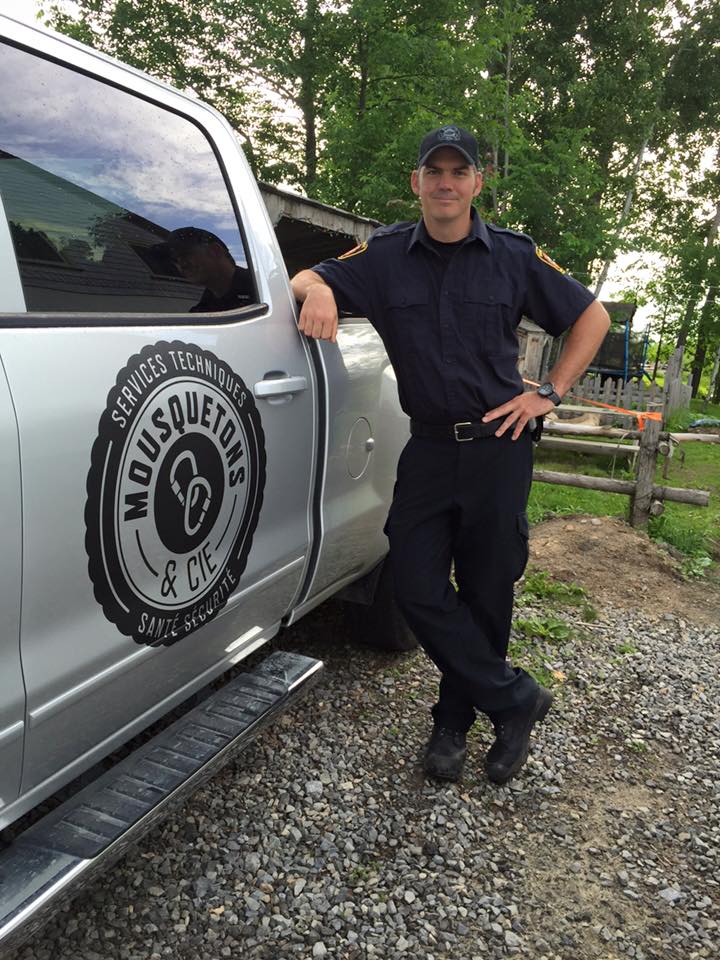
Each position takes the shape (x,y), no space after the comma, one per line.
(465,430)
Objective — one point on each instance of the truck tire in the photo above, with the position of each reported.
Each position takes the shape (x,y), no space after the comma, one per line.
(380,624)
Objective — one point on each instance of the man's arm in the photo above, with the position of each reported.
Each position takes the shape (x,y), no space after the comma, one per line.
(319,316)
(583,342)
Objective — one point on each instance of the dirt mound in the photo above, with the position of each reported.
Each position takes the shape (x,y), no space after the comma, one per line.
(615,563)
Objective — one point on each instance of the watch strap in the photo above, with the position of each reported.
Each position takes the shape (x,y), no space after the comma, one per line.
(547,389)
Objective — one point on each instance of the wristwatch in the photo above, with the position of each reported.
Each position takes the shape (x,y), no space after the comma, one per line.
(547,389)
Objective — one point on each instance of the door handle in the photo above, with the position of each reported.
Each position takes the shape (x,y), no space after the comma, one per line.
(279,386)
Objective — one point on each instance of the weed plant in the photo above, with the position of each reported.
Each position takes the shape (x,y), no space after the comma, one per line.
(538,638)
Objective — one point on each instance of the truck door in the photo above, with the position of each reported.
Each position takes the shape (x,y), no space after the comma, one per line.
(163,393)
(12,691)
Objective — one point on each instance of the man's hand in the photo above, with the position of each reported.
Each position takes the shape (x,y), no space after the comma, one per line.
(319,316)
(518,412)
(582,344)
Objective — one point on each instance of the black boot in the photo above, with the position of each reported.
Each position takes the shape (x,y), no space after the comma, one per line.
(512,738)
(445,754)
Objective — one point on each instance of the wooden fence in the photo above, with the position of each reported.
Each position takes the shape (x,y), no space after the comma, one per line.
(647,498)
(642,448)
(632,395)
(638,394)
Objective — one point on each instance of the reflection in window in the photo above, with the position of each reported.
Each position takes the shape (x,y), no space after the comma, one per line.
(95,183)
(32,244)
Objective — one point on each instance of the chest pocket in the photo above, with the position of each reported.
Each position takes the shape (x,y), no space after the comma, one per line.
(487,322)
(407,313)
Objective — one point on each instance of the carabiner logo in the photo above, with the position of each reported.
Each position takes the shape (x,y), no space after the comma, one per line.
(197,490)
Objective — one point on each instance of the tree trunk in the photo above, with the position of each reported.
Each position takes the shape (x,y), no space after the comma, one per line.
(713,379)
(508,66)
(307,91)
(692,304)
(494,182)
(624,214)
(698,361)
(363,61)
(660,339)
(682,336)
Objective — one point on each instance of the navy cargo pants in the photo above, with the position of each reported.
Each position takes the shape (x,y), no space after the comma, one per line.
(463,503)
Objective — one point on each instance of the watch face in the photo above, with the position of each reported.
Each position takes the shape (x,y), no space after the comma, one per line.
(546,389)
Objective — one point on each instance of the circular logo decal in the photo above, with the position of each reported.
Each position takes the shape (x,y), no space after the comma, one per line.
(448,134)
(174,492)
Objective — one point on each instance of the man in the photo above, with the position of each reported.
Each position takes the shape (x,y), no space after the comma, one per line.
(203,259)
(446,294)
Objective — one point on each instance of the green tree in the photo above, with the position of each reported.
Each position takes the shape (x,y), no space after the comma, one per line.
(412,67)
(586,132)
(596,115)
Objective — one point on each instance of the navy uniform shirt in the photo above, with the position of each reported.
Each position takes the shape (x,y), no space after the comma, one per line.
(448,319)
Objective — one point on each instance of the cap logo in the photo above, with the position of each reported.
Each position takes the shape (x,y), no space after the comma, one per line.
(448,134)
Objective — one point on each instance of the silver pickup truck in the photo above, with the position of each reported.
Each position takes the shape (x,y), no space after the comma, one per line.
(181,472)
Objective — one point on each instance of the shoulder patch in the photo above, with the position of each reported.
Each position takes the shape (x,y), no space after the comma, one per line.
(360,248)
(541,255)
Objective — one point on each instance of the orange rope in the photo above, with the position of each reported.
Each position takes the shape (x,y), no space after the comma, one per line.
(641,416)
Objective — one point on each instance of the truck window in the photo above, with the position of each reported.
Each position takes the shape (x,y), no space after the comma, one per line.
(114,204)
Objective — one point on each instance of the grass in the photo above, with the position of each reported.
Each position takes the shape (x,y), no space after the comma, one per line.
(553,630)
(550,500)
(363,872)
(693,531)
(539,585)
(627,649)
(682,418)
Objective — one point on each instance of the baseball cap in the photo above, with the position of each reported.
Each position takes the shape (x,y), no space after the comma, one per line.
(448,136)
(185,237)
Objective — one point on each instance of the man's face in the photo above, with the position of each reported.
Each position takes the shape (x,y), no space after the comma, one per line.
(197,263)
(446,186)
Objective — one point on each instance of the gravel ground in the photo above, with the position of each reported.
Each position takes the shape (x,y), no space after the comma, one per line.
(325,841)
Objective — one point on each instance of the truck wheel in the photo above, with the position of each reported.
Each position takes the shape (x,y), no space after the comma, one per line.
(380,624)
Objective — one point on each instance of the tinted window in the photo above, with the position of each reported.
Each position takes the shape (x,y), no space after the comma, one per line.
(114,204)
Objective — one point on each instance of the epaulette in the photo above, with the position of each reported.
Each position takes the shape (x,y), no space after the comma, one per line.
(540,254)
(392,228)
(386,231)
(512,233)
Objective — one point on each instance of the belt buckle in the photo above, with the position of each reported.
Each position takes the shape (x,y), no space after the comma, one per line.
(465,423)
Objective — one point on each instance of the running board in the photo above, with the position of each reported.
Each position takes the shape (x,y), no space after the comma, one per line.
(64,852)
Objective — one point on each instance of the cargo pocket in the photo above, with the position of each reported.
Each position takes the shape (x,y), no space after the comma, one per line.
(401,460)
(522,537)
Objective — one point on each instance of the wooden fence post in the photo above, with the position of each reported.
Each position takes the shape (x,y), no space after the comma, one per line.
(646,463)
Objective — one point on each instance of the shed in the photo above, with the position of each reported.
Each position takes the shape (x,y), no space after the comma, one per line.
(309,231)
(535,349)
